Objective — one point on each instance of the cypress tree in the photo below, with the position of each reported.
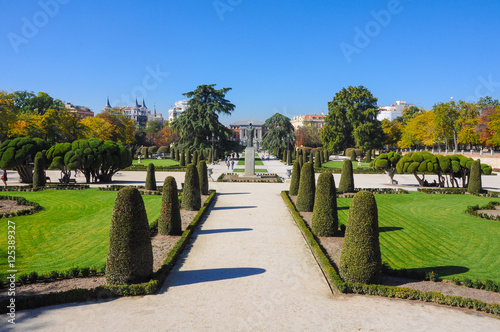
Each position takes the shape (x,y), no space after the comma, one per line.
(289,157)
(202,155)
(294,182)
(188,157)
(172,153)
(325,156)
(305,196)
(475,185)
(304,158)
(325,221)
(169,222)
(283,156)
(360,259)
(191,199)
(317,160)
(177,155)
(130,255)
(182,159)
(346,184)
(39,172)
(369,156)
(195,157)
(203,176)
(353,155)
(300,160)
(150,178)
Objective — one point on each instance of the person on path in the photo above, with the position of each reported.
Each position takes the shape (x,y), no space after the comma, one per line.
(232,164)
(4,177)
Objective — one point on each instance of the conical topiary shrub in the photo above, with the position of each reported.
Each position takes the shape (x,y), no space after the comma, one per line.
(325,156)
(169,222)
(475,184)
(368,156)
(195,157)
(182,159)
(300,159)
(346,184)
(317,160)
(191,199)
(305,196)
(325,221)
(130,255)
(150,178)
(188,157)
(360,259)
(203,177)
(304,158)
(294,182)
(289,157)
(353,155)
(39,172)
(177,155)
(202,155)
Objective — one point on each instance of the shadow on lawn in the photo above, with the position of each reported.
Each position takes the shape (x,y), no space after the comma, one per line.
(389,229)
(439,271)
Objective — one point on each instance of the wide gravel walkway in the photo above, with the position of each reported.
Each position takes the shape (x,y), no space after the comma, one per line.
(249,269)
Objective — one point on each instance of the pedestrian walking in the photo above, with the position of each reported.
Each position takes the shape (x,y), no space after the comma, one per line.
(232,164)
(4,177)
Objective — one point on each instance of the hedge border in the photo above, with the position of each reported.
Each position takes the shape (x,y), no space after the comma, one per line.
(365,170)
(35,207)
(108,291)
(337,285)
(278,178)
(472,210)
(457,191)
(143,168)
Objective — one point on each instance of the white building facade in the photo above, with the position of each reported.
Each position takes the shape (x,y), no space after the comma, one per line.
(138,113)
(392,112)
(179,108)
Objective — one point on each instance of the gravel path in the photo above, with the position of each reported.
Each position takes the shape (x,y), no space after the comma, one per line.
(249,269)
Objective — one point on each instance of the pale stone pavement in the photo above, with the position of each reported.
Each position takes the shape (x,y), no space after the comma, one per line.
(249,269)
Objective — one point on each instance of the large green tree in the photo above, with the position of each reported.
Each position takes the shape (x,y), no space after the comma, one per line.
(19,154)
(352,121)
(29,102)
(279,128)
(201,119)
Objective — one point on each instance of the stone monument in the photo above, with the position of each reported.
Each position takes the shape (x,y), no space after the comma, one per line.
(250,153)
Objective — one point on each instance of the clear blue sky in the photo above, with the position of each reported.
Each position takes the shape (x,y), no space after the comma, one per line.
(277,56)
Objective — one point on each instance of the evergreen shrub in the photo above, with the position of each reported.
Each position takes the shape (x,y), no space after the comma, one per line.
(150,178)
(295,180)
(325,221)
(191,198)
(346,184)
(169,222)
(305,196)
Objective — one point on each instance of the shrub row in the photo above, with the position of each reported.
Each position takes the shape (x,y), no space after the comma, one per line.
(144,168)
(49,186)
(108,291)
(35,207)
(263,179)
(339,286)
(74,272)
(361,170)
(473,210)
(376,191)
(457,191)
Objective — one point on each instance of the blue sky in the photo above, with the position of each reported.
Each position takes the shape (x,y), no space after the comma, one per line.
(277,56)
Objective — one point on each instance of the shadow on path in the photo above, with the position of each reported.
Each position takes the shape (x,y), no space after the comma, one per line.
(223,230)
(198,276)
(233,194)
(233,207)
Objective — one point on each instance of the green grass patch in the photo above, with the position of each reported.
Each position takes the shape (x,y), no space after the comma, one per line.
(338,164)
(156,162)
(71,230)
(258,161)
(433,233)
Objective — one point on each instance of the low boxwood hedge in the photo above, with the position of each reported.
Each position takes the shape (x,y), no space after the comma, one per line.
(339,286)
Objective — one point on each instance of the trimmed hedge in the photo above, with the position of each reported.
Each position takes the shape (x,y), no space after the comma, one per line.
(325,221)
(203,177)
(169,222)
(150,178)
(360,259)
(317,160)
(295,180)
(39,173)
(346,183)
(305,196)
(472,210)
(130,255)
(339,286)
(191,198)
(475,186)
(35,207)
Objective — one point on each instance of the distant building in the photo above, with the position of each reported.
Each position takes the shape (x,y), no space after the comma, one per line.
(239,129)
(392,112)
(81,111)
(177,110)
(138,113)
(315,120)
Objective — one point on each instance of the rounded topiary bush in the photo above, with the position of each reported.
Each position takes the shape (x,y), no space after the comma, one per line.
(325,221)
(170,222)
(39,172)
(191,199)
(295,180)
(317,160)
(182,159)
(360,259)
(305,196)
(203,177)
(346,184)
(130,255)
(150,178)
(475,185)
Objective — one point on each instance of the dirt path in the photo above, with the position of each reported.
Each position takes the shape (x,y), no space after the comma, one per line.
(249,269)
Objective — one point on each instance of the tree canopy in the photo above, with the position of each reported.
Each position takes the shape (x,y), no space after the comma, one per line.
(19,154)
(279,128)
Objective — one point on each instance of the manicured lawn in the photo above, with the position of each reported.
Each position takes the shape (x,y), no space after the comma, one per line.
(258,161)
(432,232)
(257,170)
(156,162)
(72,230)
(338,164)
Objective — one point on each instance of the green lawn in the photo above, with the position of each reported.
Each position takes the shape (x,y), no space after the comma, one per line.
(338,164)
(258,161)
(432,232)
(72,230)
(156,162)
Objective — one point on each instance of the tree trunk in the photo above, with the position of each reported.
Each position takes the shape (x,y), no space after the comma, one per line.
(25,173)
(391,173)
(420,180)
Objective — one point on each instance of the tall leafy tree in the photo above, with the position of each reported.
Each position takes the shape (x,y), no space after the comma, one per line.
(19,154)
(123,127)
(392,132)
(7,114)
(279,128)
(308,135)
(29,102)
(352,121)
(201,118)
